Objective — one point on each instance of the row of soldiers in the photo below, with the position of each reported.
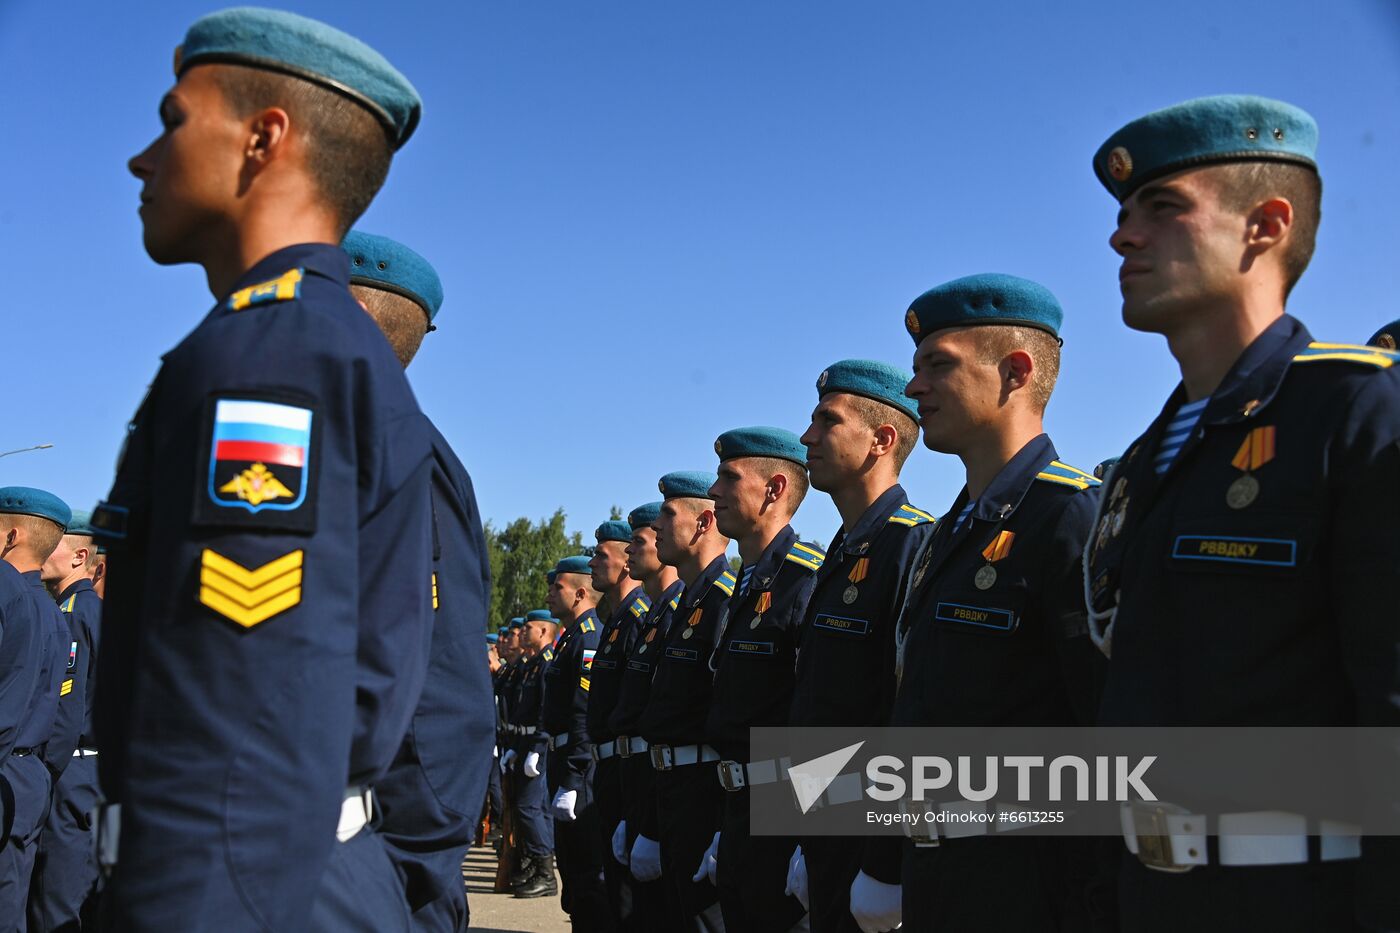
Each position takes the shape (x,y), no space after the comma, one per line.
(1042,595)
(51,581)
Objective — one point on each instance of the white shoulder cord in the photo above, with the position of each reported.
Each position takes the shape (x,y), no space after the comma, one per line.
(1102,636)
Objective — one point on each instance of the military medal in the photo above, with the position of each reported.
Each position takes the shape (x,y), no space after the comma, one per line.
(693,621)
(986,577)
(857,574)
(650,635)
(765,599)
(1256,450)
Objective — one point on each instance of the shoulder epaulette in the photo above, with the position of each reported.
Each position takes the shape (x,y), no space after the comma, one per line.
(1066,475)
(1348,353)
(639,607)
(725,582)
(908,515)
(587,625)
(548,654)
(677,601)
(68,604)
(806,555)
(283,288)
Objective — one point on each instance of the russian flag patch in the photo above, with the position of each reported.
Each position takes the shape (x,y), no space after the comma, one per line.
(260,463)
(588,658)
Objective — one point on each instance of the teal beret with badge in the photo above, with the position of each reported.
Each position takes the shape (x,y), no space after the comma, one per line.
(26,500)
(379,262)
(643,515)
(614,530)
(1388,337)
(873,380)
(989,298)
(540,615)
(275,40)
(687,484)
(1206,131)
(761,441)
(575,564)
(516,622)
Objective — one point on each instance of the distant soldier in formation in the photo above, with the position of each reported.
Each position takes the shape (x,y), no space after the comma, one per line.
(524,763)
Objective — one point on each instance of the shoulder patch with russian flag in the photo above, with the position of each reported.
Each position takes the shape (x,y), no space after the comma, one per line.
(588,654)
(260,468)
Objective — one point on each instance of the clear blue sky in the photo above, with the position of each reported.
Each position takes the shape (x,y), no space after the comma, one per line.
(657,221)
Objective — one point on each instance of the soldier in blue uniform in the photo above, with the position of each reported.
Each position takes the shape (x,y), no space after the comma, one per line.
(762,479)
(65,871)
(524,763)
(1237,569)
(501,680)
(270,524)
(863,429)
(35,743)
(994,632)
(629,606)
(578,835)
(684,815)
(431,797)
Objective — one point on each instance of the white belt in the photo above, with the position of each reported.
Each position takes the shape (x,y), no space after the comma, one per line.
(981,820)
(1165,837)
(520,730)
(666,757)
(84,752)
(356,810)
(624,746)
(558,741)
(736,775)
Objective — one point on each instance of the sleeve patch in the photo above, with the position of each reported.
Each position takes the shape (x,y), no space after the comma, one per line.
(66,688)
(261,463)
(283,288)
(250,597)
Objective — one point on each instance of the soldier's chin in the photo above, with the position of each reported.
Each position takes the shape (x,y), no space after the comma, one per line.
(163,248)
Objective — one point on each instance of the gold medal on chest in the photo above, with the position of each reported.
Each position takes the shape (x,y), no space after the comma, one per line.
(1242,492)
(851,594)
(986,577)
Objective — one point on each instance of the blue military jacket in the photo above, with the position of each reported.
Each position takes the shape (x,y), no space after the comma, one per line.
(82,608)
(51,742)
(682,683)
(609,663)
(564,707)
(21,658)
(639,658)
(756,653)
(845,668)
(270,536)
(432,795)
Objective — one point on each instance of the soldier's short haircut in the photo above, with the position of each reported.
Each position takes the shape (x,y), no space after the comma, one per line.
(995,341)
(585,580)
(796,477)
(402,319)
(347,149)
(1245,185)
(42,535)
(873,414)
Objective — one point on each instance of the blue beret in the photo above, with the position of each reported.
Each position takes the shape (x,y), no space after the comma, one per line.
(761,442)
(539,615)
(516,622)
(25,500)
(1387,337)
(990,298)
(576,564)
(549,575)
(872,379)
(275,40)
(643,515)
(1102,469)
(687,484)
(379,262)
(614,531)
(1206,131)
(80,524)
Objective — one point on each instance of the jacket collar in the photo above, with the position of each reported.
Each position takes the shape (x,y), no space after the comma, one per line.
(76,586)
(1254,380)
(1005,492)
(870,523)
(696,590)
(771,560)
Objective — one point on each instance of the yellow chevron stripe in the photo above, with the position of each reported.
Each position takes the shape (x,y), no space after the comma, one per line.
(248,617)
(1375,359)
(814,565)
(67,687)
(248,598)
(1074,469)
(249,579)
(584,683)
(1063,480)
(435,596)
(68,606)
(799,546)
(726,582)
(921,512)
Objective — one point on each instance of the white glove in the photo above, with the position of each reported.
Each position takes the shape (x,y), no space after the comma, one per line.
(708,861)
(646,859)
(532,765)
(619,842)
(495,751)
(797,877)
(506,759)
(564,805)
(876,905)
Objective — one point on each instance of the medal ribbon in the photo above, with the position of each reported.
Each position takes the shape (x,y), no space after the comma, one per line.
(1000,546)
(765,599)
(860,570)
(694,619)
(1257,449)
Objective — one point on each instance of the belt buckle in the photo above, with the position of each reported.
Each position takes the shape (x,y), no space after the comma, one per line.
(593,753)
(731,775)
(927,837)
(661,758)
(622,745)
(1154,842)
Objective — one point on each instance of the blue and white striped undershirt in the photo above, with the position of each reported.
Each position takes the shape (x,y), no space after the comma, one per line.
(745,574)
(1180,428)
(962,516)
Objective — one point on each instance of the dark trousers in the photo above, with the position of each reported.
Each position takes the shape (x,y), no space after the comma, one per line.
(1277,898)
(64,887)
(655,908)
(832,864)
(607,793)
(29,781)
(493,793)
(361,890)
(688,809)
(752,873)
(963,886)
(578,845)
(534,824)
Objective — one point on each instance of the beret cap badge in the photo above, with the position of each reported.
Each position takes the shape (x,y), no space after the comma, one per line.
(911,322)
(821,380)
(1120,164)
(719,448)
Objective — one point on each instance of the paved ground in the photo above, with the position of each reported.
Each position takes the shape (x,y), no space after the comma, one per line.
(501,913)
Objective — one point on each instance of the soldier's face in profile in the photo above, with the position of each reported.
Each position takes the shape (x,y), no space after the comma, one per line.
(958,392)
(642,560)
(739,494)
(838,442)
(190,173)
(609,563)
(551,596)
(1182,251)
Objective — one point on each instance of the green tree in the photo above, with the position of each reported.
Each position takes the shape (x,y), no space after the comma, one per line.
(521,554)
